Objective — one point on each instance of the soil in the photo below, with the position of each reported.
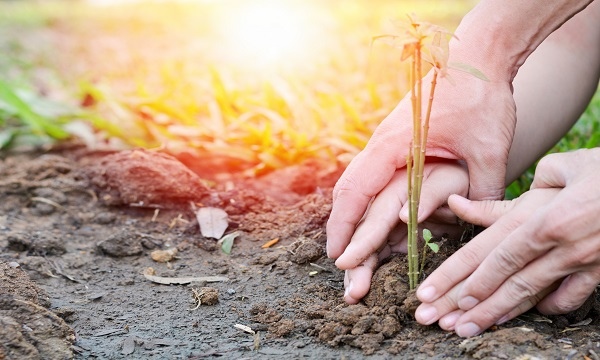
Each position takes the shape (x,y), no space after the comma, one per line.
(80,275)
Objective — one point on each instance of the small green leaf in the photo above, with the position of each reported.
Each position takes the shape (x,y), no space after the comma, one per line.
(6,137)
(227,242)
(427,235)
(468,69)
(434,247)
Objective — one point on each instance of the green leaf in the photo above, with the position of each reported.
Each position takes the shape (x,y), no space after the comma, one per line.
(434,247)
(468,69)
(6,137)
(227,242)
(28,115)
(427,235)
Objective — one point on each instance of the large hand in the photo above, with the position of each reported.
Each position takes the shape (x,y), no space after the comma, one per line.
(439,292)
(557,244)
(382,231)
(465,125)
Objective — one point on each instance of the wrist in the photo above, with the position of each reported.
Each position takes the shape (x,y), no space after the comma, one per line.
(496,37)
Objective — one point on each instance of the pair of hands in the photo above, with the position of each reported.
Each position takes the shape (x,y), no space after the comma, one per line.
(540,249)
(369,198)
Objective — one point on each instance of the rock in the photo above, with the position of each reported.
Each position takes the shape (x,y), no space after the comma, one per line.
(145,178)
(122,244)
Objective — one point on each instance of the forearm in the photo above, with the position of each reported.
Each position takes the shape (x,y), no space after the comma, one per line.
(497,36)
(553,88)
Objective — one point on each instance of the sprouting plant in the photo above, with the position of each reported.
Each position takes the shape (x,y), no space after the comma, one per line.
(422,42)
(427,237)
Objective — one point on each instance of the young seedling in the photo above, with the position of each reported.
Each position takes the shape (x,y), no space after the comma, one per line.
(429,43)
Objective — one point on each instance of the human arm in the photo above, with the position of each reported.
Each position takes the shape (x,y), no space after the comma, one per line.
(544,91)
(486,129)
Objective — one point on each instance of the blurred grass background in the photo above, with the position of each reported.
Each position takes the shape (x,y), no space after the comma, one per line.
(259,84)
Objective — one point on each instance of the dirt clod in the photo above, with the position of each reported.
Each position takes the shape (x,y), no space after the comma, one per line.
(144,178)
(121,244)
(306,250)
(206,296)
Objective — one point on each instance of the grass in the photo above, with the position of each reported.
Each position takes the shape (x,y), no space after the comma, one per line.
(200,77)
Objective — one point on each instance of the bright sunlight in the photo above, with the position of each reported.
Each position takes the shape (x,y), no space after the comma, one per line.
(261,34)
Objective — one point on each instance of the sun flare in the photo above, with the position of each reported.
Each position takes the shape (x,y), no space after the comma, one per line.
(267,33)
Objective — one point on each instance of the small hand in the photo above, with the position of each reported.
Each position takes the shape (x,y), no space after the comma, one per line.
(382,231)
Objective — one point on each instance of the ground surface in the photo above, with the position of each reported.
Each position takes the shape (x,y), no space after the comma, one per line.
(77,231)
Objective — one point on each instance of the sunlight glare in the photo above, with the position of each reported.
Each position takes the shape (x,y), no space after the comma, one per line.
(267,33)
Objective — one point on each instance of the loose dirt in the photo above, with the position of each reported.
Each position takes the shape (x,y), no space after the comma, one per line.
(78,231)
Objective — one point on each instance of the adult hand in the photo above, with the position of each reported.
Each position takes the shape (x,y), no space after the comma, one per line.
(465,125)
(548,238)
(383,231)
(440,291)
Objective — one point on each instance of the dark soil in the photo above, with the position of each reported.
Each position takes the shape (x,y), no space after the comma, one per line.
(77,231)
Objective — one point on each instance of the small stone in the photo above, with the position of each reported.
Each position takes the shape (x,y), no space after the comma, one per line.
(163,256)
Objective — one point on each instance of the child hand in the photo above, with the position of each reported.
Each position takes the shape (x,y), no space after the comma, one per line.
(382,230)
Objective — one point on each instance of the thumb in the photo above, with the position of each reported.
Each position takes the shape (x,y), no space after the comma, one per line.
(483,213)
(550,171)
(486,182)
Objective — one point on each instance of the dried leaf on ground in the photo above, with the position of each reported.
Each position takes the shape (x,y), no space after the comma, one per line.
(213,222)
(149,274)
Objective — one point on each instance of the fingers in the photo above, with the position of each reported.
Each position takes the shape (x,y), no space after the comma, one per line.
(463,262)
(372,232)
(483,213)
(438,183)
(467,259)
(428,313)
(550,171)
(560,169)
(517,294)
(362,180)
(571,294)
(512,253)
(527,304)
(357,280)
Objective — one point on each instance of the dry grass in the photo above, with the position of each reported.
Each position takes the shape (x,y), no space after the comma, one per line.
(188,77)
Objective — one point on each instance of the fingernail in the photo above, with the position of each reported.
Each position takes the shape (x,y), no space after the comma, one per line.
(467,303)
(468,330)
(449,321)
(427,313)
(503,319)
(348,288)
(404,213)
(426,294)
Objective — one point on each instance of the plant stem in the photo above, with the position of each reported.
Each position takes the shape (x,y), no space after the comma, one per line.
(423,259)
(416,174)
(427,116)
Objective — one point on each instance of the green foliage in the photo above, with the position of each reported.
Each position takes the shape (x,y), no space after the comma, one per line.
(25,115)
(427,237)
(169,92)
